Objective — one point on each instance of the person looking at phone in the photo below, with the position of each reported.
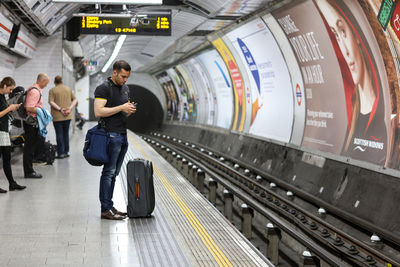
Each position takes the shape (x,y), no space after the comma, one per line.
(113,105)
(6,87)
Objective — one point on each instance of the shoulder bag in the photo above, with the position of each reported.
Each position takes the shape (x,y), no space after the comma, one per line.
(95,149)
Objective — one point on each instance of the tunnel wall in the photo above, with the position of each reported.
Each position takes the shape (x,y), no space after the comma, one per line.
(149,112)
(367,194)
(143,81)
(294,76)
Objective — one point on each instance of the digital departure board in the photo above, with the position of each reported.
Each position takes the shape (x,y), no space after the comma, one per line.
(148,24)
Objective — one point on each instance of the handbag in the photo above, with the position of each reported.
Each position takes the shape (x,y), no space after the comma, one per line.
(95,149)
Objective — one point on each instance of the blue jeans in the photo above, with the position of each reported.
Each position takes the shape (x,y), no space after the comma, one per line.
(62,136)
(116,150)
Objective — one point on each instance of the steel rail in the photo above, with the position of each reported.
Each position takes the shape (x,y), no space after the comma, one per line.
(367,250)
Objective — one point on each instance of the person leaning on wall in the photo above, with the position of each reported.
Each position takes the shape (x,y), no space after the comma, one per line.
(6,86)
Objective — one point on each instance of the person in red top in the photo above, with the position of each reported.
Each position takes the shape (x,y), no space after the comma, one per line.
(33,101)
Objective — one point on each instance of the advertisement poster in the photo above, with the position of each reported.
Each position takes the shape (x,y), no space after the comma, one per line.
(238,85)
(170,94)
(389,48)
(296,80)
(364,79)
(202,90)
(270,81)
(199,89)
(326,119)
(221,82)
(183,92)
(190,94)
(348,107)
(207,93)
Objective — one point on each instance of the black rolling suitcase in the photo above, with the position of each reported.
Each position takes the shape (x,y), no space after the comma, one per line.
(141,199)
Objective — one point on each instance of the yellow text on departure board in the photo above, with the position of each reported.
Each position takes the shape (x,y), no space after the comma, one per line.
(94,22)
(162,23)
(125,30)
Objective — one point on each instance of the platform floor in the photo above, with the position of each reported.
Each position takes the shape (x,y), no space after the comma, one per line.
(56,220)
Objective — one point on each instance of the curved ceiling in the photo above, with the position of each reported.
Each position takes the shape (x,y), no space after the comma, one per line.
(191,22)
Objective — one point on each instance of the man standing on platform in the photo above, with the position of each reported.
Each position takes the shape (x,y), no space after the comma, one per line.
(112,105)
(62,101)
(33,101)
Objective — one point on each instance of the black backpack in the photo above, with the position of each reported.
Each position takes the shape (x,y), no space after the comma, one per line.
(19,97)
(45,152)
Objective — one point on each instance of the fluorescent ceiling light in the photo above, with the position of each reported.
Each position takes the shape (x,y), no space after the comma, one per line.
(110,2)
(120,42)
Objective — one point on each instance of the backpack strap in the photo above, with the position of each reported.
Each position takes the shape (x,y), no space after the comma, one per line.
(108,85)
(27,91)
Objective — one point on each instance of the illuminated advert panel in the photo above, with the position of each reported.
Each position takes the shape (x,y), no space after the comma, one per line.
(270,81)
(190,95)
(216,69)
(208,91)
(173,100)
(326,121)
(149,24)
(200,92)
(347,107)
(237,83)
(296,78)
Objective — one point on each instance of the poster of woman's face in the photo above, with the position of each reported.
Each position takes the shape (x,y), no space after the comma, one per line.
(367,129)
(348,43)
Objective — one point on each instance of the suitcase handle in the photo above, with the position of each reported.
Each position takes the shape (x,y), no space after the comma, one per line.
(137,187)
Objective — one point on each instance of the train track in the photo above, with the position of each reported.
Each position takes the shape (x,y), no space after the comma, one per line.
(288,208)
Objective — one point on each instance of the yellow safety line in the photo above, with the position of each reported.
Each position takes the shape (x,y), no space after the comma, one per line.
(216,252)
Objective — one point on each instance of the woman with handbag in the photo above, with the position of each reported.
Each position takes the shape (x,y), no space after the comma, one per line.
(6,86)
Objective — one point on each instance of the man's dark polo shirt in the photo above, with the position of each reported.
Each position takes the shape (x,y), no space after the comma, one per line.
(115,96)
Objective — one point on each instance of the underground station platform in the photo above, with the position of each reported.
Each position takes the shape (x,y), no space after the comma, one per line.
(56,220)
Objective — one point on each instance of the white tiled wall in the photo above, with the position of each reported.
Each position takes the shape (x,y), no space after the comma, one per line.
(82,94)
(7,64)
(48,59)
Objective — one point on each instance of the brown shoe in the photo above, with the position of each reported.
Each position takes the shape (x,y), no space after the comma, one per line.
(109,215)
(115,211)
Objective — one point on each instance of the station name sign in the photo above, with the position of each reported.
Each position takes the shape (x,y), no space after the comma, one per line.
(148,24)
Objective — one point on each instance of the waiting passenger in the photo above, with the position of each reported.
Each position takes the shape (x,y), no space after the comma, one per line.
(79,119)
(33,101)
(6,86)
(112,105)
(62,101)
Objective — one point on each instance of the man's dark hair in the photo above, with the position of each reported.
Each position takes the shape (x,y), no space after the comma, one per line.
(121,64)
(57,80)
